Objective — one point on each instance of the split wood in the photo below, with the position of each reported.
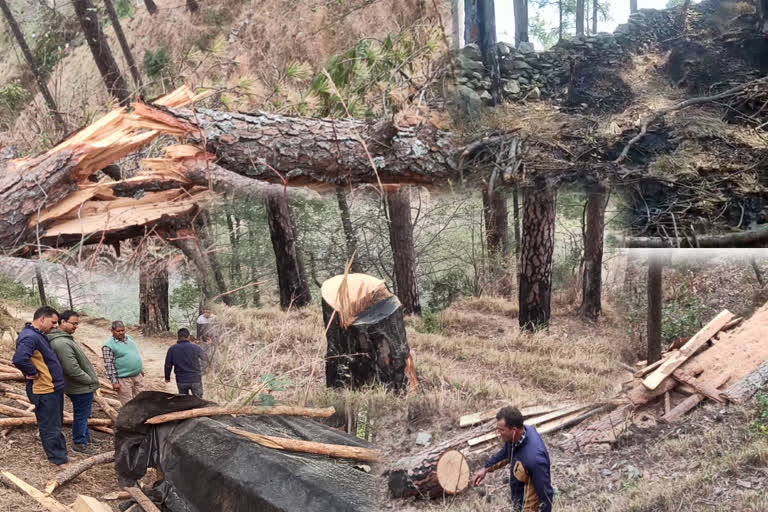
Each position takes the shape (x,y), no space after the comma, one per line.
(75,469)
(296,445)
(27,420)
(141,498)
(108,410)
(47,502)
(284,410)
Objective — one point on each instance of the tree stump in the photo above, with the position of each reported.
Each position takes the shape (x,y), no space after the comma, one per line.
(432,473)
(365,331)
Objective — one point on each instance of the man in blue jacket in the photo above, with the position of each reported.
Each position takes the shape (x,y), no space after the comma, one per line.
(528,461)
(185,358)
(45,381)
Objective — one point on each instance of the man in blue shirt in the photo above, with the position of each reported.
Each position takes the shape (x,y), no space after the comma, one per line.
(528,460)
(185,358)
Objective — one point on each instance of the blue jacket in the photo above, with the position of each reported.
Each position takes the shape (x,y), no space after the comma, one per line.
(529,472)
(185,357)
(34,356)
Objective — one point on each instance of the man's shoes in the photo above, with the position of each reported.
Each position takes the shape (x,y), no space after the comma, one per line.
(85,448)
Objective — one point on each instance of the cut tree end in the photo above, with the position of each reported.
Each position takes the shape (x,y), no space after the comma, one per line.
(453,472)
(351,294)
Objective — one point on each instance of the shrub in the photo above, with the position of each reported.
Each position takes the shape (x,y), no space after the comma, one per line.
(156,63)
(13,96)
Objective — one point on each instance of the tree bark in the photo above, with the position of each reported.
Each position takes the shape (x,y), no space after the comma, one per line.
(455,34)
(153,296)
(349,230)
(207,412)
(204,227)
(403,253)
(471,21)
(235,273)
(292,280)
(255,292)
(88,17)
(580,4)
(487,17)
(741,391)
(655,299)
(115,21)
(632,6)
(41,82)
(497,238)
(40,286)
(516,220)
(595,8)
(560,21)
(76,469)
(151,6)
(537,246)
(593,255)
(521,21)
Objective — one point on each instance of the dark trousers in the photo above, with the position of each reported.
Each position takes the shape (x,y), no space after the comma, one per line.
(196,388)
(81,406)
(49,411)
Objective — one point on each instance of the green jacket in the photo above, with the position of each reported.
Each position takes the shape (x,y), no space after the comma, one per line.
(79,375)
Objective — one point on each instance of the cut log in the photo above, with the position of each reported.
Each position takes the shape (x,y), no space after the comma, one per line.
(434,474)
(13,411)
(278,410)
(16,422)
(365,332)
(479,417)
(675,413)
(75,469)
(701,387)
(649,368)
(689,349)
(46,501)
(667,403)
(141,498)
(108,410)
(89,504)
(297,445)
(7,368)
(640,395)
(10,377)
(742,390)
(106,430)
(119,495)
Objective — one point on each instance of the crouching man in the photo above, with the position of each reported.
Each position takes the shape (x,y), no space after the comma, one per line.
(528,461)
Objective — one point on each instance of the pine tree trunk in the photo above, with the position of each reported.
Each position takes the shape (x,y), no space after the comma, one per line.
(123,43)
(349,230)
(255,292)
(537,246)
(632,6)
(516,219)
(560,21)
(235,273)
(497,238)
(153,296)
(471,22)
(580,17)
(487,18)
(41,83)
(207,238)
(401,241)
(595,8)
(292,280)
(88,17)
(192,6)
(40,286)
(455,34)
(521,21)
(655,266)
(593,255)
(151,6)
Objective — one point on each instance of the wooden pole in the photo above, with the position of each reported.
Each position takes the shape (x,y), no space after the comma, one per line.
(13,411)
(75,469)
(141,498)
(46,501)
(10,377)
(16,422)
(296,445)
(105,407)
(224,411)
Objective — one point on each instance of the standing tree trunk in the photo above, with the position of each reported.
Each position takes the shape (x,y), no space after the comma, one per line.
(292,280)
(580,4)
(471,22)
(235,273)
(401,241)
(349,230)
(255,292)
(521,21)
(538,243)
(123,43)
(655,266)
(632,6)
(153,296)
(206,237)
(593,255)
(192,6)
(102,55)
(69,287)
(560,20)
(487,17)
(497,237)
(595,8)
(40,286)
(151,6)
(455,30)
(41,84)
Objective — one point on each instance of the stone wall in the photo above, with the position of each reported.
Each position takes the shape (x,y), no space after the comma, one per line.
(529,74)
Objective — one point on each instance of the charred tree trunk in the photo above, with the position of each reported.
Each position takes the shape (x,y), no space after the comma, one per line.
(115,21)
(153,296)
(151,6)
(471,21)
(497,237)
(41,83)
(632,6)
(102,55)
(367,342)
(40,286)
(292,280)
(521,21)
(580,4)
(69,287)
(537,246)
(349,230)
(487,17)
(560,21)
(192,6)
(655,298)
(593,255)
(595,8)
(401,241)
(516,219)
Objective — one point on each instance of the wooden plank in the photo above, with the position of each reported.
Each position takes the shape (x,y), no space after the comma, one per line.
(482,439)
(667,403)
(653,380)
(88,504)
(569,420)
(46,501)
(701,387)
(689,403)
(479,417)
(538,420)
(648,369)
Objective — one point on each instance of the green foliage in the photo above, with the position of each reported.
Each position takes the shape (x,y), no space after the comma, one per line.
(682,316)
(123,8)
(48,50)
(267,384)
(430,321)
(157,63)
(13,96)
(185,298)
(17,292)
(446,287)
(760,424)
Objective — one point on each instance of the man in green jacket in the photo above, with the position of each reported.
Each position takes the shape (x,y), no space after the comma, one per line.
(122,363)
(80,379)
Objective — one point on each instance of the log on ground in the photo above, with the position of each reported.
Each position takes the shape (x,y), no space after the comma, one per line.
(433,473)
(742,390)
(75,469)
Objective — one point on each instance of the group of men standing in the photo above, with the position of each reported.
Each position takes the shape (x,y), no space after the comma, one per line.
(55,365)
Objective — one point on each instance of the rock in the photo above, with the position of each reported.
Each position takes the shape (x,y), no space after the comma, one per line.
(471,52)
(485,84)
(423,438)
(469,100)
(535,94)
(486,97)
(477,75)
(525,47)
(512,87)
(607,472)
(505,49)
(520,64)
(462,79)
(469,65)
(744,483)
